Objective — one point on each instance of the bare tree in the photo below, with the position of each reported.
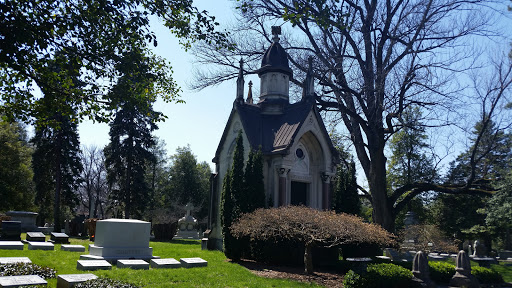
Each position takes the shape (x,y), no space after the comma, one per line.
(373,59)
(94,189)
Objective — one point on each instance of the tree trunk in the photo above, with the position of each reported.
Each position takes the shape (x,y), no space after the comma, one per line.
(308,258)
(382,210)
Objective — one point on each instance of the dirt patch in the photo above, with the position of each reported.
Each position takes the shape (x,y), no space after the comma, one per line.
(324,278)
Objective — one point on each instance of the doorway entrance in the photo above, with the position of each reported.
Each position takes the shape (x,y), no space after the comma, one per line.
(299,192)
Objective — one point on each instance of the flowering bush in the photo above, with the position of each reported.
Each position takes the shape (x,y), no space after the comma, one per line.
(310,227)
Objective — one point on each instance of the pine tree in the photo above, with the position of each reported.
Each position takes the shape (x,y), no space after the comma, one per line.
(254,182)
(346,198)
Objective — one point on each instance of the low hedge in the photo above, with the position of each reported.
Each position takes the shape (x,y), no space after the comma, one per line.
(104,283)
(379,276)
(441,272)
(16,269)
(486,275)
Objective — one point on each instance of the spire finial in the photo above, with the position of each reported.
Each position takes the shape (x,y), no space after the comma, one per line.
(276,31)
(249,94)
(240,82)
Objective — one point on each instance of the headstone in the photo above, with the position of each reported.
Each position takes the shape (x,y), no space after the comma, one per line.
(40,246)
(67,230)
(9,260)
(90,265)
(133,264)
(470,251)
(421,275)
(36,237)
(392,253)
(45,230)
(60,238)
(121,239)
(165,263)
(463,277)
(69,280)
(25,280)
(72,248)
(480,250)
(193,262)
(27,219)
(504,254)
(11,231)
(187,225)
(11,245)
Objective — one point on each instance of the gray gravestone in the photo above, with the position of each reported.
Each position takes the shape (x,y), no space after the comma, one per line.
(72,248)
(421,275)
(36,237)
(133,264)
(463,277)
(193,262)
(69,280)
(10,260)
(40,246)
(93,265)
(11,231)
(61,238)
(165,263)
(11,245)
(25,280)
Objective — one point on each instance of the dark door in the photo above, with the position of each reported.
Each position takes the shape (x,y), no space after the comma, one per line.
(299,192)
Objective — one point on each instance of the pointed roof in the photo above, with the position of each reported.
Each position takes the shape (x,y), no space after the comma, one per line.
(275,58)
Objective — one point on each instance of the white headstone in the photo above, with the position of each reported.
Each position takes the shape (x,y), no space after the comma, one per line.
(193,262)
(25,280)
(69,280)
(9,260)
(165,263)
(121,239)
(36,237)
(11,245)
(133,264)
(72,248)
(93,265)
(40,246)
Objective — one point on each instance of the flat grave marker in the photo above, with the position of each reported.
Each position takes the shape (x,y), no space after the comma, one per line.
(11,245)
(193,262)
(69,280)
(165,263)
(72,248)
(25,280)
(60,238)
(93,265)
(36,237)
(40,246)
(9,260)
(133,264)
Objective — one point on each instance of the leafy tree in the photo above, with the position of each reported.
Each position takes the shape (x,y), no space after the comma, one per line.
(233,187)
(93,35)
(57,166)
(345,196)
(189,180)
(16,186)
(128,153)
(253,196)
(373,60)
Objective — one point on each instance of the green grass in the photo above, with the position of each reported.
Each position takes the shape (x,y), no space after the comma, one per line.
(218,273)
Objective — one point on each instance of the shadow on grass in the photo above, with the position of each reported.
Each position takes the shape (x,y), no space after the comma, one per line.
(178,241)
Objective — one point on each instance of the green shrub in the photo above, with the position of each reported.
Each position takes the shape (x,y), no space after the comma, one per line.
(16,269)
(441,272)
(104,283)
(486,275)
(379,276)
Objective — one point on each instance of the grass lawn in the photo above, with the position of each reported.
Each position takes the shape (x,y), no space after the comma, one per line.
(219,273)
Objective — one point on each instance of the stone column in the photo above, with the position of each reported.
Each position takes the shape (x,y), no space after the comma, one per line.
(283,173)
(326,191)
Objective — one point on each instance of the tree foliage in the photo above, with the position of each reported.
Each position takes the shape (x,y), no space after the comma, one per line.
(309,226)
(253,196)
(93,36)
(16,186)
(373,60)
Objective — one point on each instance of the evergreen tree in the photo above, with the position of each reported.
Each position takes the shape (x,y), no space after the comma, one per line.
(346,198)
(254,181)
(129,151)
(230,207)
(57,166)
(499,212)
(16,185)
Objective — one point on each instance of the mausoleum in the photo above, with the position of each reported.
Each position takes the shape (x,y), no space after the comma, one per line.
(299,157)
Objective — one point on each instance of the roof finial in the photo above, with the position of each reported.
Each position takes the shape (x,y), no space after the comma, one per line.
(276,31)
(240,82)
(249,94)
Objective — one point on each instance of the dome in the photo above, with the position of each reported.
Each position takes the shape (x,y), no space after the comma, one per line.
(275,59)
